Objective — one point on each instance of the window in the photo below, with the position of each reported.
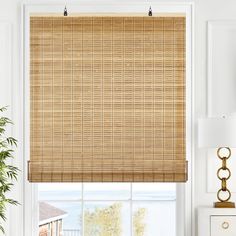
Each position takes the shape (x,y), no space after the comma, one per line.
(31,223)
(111,209)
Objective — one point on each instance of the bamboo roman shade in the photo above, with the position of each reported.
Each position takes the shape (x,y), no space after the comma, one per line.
(107,99)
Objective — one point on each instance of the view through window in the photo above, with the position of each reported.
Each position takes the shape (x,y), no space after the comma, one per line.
(107,209)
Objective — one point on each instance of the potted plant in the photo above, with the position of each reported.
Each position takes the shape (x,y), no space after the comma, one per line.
(8,172)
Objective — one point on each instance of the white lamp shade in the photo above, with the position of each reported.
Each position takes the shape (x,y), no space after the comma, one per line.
(217,132)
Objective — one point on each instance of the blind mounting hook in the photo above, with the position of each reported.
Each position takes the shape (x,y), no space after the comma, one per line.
(65,11)
(150,11)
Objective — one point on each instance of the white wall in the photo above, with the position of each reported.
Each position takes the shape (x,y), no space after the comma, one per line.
(11,89)
(206,10)
(10,85)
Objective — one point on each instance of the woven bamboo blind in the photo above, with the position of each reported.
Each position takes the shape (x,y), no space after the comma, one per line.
(107,99)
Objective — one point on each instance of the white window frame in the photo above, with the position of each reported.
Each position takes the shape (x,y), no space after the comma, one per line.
(185,192)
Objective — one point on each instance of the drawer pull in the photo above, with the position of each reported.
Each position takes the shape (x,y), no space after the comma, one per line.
(225,225)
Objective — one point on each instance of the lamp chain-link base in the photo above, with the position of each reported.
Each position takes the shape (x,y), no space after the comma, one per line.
(224,174)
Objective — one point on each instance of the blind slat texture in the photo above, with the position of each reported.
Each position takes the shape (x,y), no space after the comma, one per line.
(107,99)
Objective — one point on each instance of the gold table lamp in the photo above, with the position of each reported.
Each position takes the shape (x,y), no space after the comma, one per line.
(219,133)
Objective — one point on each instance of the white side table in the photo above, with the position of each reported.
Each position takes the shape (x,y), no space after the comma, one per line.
(217,222)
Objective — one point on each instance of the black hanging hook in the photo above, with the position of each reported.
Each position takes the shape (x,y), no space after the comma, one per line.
(150,11)
(65,12)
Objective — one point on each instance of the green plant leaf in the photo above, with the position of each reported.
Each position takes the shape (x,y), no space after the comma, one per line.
(4,121)
(2,109)
(2,229)
(8,172)
(2,130)
(12,141)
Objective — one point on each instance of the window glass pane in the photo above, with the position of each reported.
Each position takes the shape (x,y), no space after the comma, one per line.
(71,222)
(154,191)
(107,191)
(60,191)
(154,218)
(107,218)
(108,209)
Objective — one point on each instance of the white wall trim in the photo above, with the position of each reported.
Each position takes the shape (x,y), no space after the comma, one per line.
(230,26)
(187,218)
(30,190)
(209,68)
(213,163)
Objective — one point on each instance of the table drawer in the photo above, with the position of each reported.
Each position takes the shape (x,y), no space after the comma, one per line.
(223,226)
